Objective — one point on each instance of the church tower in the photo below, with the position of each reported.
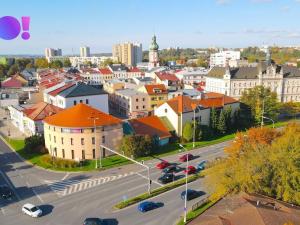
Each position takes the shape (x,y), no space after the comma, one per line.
(153,54)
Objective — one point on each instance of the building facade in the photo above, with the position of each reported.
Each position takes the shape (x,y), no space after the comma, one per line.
(50,52)
(85,51)
(128,53)
(157,93)
(221,58)
(153,54)
(77,133)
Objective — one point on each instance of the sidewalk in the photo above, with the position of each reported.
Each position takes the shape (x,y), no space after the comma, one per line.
(7,128)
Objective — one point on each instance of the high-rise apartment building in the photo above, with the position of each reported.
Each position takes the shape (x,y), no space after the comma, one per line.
(85,51)
(223,57)
(50,52)
(128,53)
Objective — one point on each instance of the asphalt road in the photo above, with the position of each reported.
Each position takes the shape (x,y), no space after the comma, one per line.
(67,199)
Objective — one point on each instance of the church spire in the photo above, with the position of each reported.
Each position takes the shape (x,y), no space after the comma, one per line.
(268,57)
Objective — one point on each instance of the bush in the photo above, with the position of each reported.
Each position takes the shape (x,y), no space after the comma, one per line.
(59,163)
(137,145)
(35,144)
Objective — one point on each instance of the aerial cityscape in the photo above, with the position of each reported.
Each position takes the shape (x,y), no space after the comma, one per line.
(161,112)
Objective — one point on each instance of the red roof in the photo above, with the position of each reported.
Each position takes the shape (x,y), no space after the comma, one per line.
(11,83)
(153,89)
(134,70)
(105,71)
(166,76)
(58,90)
(150,125)
(40,111)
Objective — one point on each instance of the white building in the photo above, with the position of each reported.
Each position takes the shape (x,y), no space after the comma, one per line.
(191,75)
(55,58)
(283,80)
(221,58)
(8,99)
(85,51)
(65,95)
(77,61)
(128,53)
(50,52)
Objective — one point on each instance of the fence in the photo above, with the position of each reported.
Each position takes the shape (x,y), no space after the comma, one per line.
(200,203)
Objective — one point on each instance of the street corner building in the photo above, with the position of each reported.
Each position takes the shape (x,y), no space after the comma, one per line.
(81,132)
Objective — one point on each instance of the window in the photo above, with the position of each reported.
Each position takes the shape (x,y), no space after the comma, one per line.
(144,106)
(53,128)
(75,102)
(103,139)
(102,129)
(93,140)
(49,137)
(63,153)
(71,141)
(55,152)
(137,107)
(82,141)
(93,130)
(54,139)
(86,101)
(137,100)
(143,99)
(80,101)
(166,110)
(72,152)
(83,154)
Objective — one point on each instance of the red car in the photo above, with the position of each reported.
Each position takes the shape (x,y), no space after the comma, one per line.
(162,165)
(190,170)
(184,157)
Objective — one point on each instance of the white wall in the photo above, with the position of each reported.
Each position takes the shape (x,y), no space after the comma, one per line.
(170,114)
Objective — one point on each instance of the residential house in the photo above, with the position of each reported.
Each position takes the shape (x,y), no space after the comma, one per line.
(158,94)
(168,79)
(8,99)
(180,110)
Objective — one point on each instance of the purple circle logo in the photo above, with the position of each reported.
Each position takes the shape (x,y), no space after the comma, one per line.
(9,27)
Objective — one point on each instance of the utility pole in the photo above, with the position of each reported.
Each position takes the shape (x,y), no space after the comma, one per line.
(262,113)
(186,176)
(194,128)
(95,137)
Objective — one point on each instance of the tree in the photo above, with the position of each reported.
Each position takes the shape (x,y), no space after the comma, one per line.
(222,123)
(298,64)
(228,119)
(106,62)
(202,62)
(3,71)
(13,70)
(213,119)
(187,133)
(261,100)
(67,63)
(41,63)
(29,66)
(136,145)
(266,162)
(21,63)
(35,144)
(56,64)
(289,108)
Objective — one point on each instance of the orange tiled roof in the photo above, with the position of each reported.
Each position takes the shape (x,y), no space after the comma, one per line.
(105,71)
(150,125)
(166,76)
(182,104)
(81,115)
(40,111)
(151,87)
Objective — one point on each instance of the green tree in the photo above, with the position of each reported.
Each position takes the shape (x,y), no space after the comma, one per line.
(228,118)
(213,120)
(187,133)
(56,64)
(298,64)
(136,145)
(202,62)
(67,63)
(106,62)
(261,100)
(222,123)
(35,144)
(3,71)
(13,70)
(41,63)
(29,66)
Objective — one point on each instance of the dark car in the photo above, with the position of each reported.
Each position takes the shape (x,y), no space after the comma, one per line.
(186,157)
(166,178)
(93,221)
(5,192)
(170,169)
(147,206)
(191,194)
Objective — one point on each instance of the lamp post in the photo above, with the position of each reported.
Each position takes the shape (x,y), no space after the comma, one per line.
(194,107)
(95,146)
(186,176)
(271,120)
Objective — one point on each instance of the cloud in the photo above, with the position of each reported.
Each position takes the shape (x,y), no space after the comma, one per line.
(261,1)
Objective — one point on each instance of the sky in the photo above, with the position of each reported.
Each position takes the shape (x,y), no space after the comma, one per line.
(69,24)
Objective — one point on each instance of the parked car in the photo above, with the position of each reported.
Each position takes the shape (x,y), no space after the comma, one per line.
(93,221)
(191,194)
(185,157)
(201,165)
(170,169)
(190,170)
(166,178)
(31,210)
(5,192)
(147,206)
(162,165)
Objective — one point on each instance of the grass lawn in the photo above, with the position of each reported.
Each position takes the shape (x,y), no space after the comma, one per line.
(193,214)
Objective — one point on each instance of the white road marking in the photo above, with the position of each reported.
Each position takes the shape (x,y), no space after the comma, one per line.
(65,176)
(67,187)
(153,181)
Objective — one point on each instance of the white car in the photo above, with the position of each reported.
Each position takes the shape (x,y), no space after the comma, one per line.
(31,210)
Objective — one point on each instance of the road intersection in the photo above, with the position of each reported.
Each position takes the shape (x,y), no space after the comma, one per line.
(67,198)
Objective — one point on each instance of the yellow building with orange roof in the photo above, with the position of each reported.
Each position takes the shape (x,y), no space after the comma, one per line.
(76,133)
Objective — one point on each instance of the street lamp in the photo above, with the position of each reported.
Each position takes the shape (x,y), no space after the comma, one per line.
(186,176)
(271,120)
(95,147)
(264,117)
(194,107)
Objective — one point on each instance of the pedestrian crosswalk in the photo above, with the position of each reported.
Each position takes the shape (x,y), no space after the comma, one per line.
(70,186)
